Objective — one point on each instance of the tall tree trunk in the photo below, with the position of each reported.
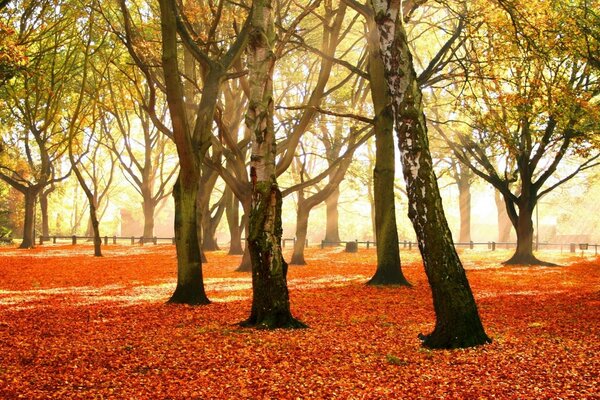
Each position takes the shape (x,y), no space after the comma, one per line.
(190,284)
(246,263)
(96,229)
(389,269)
(457,319)
(44,210)
(28,242)
(464,201)
(191,148)
(232,212)
(92,203)
(301,231)
(270,298)
(504,224)
(523,224)
(148,206)
(332,231)
(209,239)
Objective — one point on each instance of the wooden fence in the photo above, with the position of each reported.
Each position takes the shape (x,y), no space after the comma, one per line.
(351,245)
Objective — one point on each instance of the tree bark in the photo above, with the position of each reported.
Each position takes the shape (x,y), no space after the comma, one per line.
(191,148)
(44,211)
(29,223)
(332,231)
(232,212)
(190,284)
(523,224)
(504,224)
(464,201)
(301,232)
(389,269)
(246,263)
(93,221)
(148,206)
(270,298)
(457,319)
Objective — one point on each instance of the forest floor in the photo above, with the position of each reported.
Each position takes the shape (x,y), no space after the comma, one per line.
(75,326)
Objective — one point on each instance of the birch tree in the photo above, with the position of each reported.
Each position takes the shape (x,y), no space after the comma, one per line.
(457,319)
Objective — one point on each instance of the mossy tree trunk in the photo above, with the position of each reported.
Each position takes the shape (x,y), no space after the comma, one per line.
(457,319)
(389,269)
(270,300)
(190,284)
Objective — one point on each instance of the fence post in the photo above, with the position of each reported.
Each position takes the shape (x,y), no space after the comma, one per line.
(41,239)
(367,244)
(74,239)
(322,244)
(105,240)
(155,240)
(410,245)
(114,239)
(132,240)
(471,244)
(142,240)
(54,239)
(493,246)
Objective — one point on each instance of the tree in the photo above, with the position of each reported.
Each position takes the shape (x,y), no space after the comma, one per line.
(389,269)
(145,154)
(529,107)
(270,298)
(36,100)
(84,138)
(336,171)
(192,144)
(457,319)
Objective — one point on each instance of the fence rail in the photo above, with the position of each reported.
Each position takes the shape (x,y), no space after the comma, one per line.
(106,239)
(408,244)
(351,245)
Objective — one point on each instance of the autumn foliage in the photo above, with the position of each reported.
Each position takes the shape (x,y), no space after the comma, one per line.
(75,326)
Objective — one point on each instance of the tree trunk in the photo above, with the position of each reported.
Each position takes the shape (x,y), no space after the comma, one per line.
(457,319)
(44,211)
(270,298)
(246,263)
(332,232)
(148,206)
(464,201)
(29,224)
(301,231)
(232,212)
(191,149)
(524,227)
(95,228)
(389,269)
(190,284)
(504,224)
